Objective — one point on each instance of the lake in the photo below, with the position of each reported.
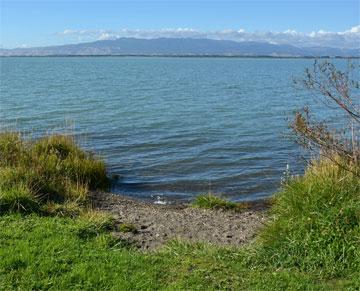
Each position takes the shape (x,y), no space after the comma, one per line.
(173,127)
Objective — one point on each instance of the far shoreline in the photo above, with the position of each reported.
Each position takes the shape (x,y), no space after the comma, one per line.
(183,56)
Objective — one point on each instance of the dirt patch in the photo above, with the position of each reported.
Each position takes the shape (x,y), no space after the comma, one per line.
(156,224)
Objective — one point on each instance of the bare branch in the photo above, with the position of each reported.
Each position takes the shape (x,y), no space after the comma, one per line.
(338,88)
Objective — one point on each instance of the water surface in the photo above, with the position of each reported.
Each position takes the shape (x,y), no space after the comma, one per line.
(169,126)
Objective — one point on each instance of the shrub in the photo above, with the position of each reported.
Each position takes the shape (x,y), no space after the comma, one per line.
(338,90)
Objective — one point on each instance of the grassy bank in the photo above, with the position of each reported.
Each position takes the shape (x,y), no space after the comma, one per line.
(46,174)
(67,254)
(50,239)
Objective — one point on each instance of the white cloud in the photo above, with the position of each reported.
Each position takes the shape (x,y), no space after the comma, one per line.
(344,39)
(68,31)
(355,29)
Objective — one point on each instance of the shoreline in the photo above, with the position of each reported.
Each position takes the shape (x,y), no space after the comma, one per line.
(154,224)
(183,56)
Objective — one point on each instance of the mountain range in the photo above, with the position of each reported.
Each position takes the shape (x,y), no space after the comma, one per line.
(180,47)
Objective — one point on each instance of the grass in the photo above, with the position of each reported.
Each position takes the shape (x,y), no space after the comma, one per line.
(210,201)
(50,239)
(316,223)
(53,168)
(19,199)
(61,253)
(127,227)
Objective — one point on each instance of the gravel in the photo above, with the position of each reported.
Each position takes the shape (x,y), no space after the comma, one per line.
(156,224)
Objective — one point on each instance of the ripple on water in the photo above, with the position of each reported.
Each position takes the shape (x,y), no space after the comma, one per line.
(173,127)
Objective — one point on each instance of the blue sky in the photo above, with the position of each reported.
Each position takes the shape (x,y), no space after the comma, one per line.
(39,23)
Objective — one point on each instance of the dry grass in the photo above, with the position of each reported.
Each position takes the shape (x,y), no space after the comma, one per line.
(52,169)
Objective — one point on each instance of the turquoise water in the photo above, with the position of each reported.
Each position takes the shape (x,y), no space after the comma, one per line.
(169,126)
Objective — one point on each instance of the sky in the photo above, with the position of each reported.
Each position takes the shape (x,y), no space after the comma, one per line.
(302,23)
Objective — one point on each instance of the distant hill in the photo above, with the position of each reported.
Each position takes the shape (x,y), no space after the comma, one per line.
(179,46)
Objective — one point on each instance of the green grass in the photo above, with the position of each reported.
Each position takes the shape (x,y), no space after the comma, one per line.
(62,253)
(51,239)
(316,223)
(18,199)
(53,168)
(127,227)
(210,201)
